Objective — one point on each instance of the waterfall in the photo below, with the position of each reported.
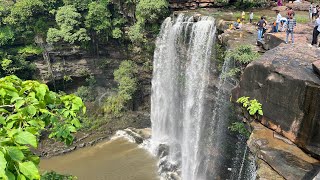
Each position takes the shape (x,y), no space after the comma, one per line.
(189,104)
(180,79)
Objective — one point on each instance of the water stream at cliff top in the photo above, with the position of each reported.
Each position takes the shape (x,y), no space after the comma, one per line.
(190,109)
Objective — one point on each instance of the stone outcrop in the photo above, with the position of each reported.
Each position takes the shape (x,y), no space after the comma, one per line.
(192,4)
(284,82)
(286,159)
(299,6)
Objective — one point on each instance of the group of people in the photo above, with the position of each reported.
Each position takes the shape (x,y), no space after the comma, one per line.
(284,24)
(287,24)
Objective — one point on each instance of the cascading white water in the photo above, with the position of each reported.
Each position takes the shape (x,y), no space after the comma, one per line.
(179,84)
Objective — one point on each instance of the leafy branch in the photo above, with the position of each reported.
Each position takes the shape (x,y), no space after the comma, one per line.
(26,109)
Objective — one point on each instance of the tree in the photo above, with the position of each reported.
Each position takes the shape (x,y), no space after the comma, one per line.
(22,11)
(102,24)
(6,35)
(79,4)
(26,109)
(68,20)
(151,10)
(147,12)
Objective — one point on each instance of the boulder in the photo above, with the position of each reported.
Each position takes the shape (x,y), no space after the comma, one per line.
(284,82)
(299,6)
(286,159)
(279,8)
(316,67)
(265,172)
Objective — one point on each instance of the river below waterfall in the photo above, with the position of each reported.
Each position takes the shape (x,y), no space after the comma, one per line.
(112,160)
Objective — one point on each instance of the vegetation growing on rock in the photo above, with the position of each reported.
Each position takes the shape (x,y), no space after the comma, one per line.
(127,85)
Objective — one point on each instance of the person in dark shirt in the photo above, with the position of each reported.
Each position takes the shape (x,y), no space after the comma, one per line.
(261,24)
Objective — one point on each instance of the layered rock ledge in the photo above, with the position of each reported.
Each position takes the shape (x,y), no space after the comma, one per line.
(284,82)
(278,157)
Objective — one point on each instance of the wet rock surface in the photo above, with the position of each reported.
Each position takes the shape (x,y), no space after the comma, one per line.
(284,82)
(289,161)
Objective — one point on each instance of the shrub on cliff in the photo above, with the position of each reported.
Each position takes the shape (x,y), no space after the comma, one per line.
(127,85)
(241,57)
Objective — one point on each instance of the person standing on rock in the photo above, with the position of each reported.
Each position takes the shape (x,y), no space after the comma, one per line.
(251,17)
(277,21)
(311,11)
(316,32)
(291,24)
(243,16)
(261,24)
(314,12)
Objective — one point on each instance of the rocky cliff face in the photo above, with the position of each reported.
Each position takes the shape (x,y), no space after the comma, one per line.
(192,4)
(284,82)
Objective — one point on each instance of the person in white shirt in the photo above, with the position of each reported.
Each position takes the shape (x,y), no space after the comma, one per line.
(283,22)
(310,11)
(251,17)
(277,21)
(316,31)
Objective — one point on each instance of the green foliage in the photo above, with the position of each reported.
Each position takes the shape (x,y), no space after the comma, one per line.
(151,10)
(55,176)
(243,54)
(147,12)
(6,35)
(219,55)
(87,93)
(99,18)
(30,50)
(240,128)
(23,10)
(136,33)
(127,85)
(16,65)
(26,109)
(79,4)
(241,57)
(68,20)
(253,106)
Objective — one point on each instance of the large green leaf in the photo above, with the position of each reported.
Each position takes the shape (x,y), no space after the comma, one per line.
(3,162)
(25,137)
(2,120)
(76,122)
(32,110)
(19,103)
(41,91)
(29,169)
(15,153)
(21,177)
(10,175)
